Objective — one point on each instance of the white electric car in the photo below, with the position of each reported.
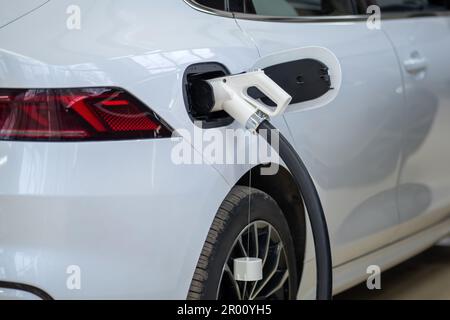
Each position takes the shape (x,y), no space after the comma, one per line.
(95,96)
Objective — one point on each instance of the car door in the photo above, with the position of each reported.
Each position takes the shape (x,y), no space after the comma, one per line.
(420,31)
(351,146)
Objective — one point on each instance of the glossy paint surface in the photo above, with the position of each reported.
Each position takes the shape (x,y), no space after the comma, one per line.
(57,211)
(11,294)
(422,46)
(124,212)
(9,12)
(352,145)
(131,219)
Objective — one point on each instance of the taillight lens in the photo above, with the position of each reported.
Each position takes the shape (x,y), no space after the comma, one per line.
(76,115)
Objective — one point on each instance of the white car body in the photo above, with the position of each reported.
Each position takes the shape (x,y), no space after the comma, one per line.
(135,223)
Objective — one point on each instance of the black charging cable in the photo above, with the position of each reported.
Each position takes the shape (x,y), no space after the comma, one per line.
(314,208)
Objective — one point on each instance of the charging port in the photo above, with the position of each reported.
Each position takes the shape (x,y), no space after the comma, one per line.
(199,98)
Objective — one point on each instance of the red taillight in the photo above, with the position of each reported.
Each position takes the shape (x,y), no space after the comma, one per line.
(76,115)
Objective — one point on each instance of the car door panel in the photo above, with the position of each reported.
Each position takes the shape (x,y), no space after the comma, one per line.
(422,45)
(351,146)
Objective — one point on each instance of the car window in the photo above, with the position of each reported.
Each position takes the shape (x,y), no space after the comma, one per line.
(283,8)
(215,4)
(407,5)
(292,8)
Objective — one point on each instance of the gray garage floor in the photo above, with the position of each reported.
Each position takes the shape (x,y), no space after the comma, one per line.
(426,276)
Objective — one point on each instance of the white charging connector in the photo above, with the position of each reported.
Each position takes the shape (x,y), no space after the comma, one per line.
(231,95)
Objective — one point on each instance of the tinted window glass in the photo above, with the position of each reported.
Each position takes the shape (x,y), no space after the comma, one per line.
(290,8)
(408,5)
(239,5)
(283,8)
(215,4)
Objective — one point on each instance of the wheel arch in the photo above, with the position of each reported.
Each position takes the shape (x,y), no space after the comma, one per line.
(283,189)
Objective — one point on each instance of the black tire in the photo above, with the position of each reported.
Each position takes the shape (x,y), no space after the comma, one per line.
(231,221)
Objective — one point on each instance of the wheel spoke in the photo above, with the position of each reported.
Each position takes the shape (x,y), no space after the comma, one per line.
(279,285)
(242,247)
(266,252)
(273,272)
(255,230)
(233,281)
(251,295)
(244,290)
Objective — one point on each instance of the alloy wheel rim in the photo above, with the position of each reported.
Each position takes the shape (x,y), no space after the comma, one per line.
(258,239)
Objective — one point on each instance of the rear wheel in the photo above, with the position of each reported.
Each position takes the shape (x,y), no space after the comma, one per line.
(233,235)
